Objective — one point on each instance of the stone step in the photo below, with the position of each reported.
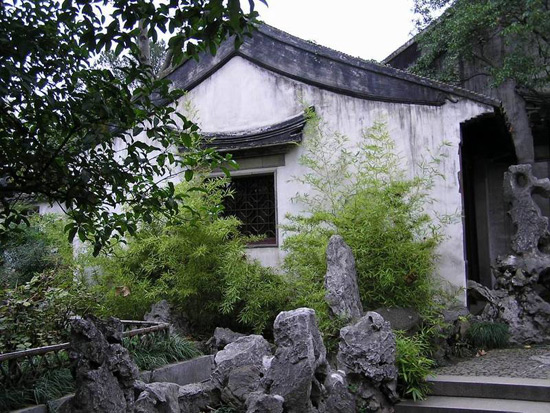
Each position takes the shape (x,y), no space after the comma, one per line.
(445,404)
(536,390)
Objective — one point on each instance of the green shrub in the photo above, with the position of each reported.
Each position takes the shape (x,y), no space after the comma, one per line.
(196,261)
(413,366)
(34,249)
(488,335)
(37,313)
(363,194)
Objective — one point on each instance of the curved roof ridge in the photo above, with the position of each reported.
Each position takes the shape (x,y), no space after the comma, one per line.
(320,66)
(376,65)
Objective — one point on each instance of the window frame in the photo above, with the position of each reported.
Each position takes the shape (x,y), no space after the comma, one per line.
(259,173)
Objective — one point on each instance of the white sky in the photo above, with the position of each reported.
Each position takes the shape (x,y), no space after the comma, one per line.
(370,29)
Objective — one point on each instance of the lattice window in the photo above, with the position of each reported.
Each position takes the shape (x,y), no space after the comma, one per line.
(253,202)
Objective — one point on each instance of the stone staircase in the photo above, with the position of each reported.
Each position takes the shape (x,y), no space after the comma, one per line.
(477,394)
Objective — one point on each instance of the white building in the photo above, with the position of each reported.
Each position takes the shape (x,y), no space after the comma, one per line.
(251,101)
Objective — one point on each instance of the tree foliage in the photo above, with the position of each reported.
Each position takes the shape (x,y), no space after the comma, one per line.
(505,39)
(118,63)
(68,128)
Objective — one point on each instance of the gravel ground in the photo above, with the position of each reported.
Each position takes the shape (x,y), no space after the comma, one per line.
(531,362)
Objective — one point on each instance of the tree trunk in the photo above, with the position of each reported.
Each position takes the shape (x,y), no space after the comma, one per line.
(516,113)
(144,47)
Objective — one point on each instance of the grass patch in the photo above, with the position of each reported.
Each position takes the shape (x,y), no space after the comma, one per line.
(51,385)
(150,352)
(488,335)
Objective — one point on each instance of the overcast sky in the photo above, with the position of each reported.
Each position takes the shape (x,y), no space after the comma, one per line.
(370,29)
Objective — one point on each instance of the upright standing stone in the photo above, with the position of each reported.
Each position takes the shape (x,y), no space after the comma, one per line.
(341,280)
(517,297)
(531,227)
(104,371)
(299,362)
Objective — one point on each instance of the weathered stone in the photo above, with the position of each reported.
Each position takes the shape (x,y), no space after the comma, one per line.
(519,278)
(221,338)
(299,366)
(453,313)
(239,368)
(258,402)
(157,398)
(341,280)
(104,372)
(56,405)
(198,397)
(367,355)
(404,319)
(531,264)
(340,399)
(525,312)
(241,382)
(531,227)
(172,398)
(368,348)
(162,312)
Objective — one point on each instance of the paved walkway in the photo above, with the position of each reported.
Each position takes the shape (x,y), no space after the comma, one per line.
(531,362)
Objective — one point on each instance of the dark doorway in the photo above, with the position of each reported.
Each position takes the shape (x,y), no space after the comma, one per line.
(486,153)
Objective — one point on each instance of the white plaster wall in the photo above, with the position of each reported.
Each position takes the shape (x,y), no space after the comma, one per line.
(242,96)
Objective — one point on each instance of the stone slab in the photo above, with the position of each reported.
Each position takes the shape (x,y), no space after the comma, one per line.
(442,404)
(40,408)
(186,372)
(491,387)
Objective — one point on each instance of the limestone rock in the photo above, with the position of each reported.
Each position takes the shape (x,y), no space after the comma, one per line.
(158,397)
(162,312)
(258,402)
(453,313)
(104,372)
(368,348)
(341,280)
(520,278)
(519,306)
(367,355)
(198,397)
(221,338)
(239,368)
(172,398)
(340,399)
(299,366)
(404,319)
(532,233)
